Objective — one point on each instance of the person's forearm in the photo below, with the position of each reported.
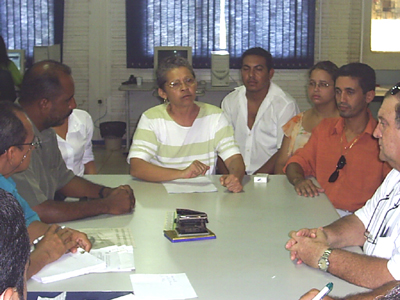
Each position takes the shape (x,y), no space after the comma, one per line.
(363,270)
(147,171)
(371,295)
(345,232)
(279,167)
(37,260)
(294,173)
(37,229)
(51,211)
(90,168)
(79,187)
(236,166)
(269,166)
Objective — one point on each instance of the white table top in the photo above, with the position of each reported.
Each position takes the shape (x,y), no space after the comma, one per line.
(246,261)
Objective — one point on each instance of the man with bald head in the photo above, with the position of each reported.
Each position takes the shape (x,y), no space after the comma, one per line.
(47,97)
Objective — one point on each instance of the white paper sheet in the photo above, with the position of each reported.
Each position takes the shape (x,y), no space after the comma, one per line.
(117,258)
(69,265)
(162,286)
(199,184)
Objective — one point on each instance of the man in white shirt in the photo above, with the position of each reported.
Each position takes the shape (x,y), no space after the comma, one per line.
(74,139)
(257,111)
(375,226)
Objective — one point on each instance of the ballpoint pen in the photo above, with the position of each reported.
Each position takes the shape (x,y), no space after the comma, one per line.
(325,291)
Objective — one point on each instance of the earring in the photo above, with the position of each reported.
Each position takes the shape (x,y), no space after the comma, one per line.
(165,100)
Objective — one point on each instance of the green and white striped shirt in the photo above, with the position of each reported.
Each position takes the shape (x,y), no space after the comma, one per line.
(159,140)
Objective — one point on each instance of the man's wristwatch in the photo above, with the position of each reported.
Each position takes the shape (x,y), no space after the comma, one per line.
(323,262)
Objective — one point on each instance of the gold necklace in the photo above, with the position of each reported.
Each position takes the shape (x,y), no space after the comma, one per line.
(351,145)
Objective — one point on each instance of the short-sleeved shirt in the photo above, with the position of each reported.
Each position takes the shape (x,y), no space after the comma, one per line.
(295,131)
(381,217)
(47,172)
(265,137)
(8,185)
(363,172)
(76,149)
(159,140)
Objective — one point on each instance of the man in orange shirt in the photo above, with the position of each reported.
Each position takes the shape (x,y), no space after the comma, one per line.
(342,154)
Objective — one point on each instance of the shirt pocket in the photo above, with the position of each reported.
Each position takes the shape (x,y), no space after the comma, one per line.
(384,247)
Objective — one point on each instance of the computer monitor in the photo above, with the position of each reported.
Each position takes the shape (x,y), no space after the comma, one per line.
(165,51)
(17,56)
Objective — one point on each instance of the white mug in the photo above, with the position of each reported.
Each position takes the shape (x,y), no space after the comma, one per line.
(139,80)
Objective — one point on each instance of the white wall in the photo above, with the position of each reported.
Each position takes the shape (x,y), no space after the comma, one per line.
(95,49)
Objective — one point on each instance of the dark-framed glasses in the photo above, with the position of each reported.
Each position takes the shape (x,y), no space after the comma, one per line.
(36,143)
(320,85)
(340,165)
(395,89)
(177,84)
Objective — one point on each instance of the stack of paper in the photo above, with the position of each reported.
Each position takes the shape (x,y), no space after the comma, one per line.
(112,251)
(69,265)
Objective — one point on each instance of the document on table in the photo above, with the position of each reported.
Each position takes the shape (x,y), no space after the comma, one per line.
(162,286)
(112,251)
(200,184)
(69,265)
(117,258)
(105,237)
(114,246)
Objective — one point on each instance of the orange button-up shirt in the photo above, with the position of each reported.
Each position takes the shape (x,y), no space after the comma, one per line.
(363,172)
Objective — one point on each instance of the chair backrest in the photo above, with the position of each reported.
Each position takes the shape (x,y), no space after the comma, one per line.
(7,88)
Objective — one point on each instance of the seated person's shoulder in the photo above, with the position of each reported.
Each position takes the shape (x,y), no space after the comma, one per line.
(233,95)
(326,124)
(209,108)
(81,114)
(156,112)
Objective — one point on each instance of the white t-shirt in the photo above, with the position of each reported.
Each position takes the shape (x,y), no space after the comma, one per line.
(264,139)
(381,217)
(76,149)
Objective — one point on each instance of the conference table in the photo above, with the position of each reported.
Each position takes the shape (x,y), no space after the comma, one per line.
(247,260)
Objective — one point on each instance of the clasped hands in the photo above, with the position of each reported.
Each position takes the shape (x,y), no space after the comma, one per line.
(307,245)
(120,200)
(197,168)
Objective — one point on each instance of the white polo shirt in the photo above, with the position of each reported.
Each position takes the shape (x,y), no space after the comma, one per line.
(381,217)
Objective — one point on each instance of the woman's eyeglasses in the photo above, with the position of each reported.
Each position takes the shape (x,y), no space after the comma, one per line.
(395,89)
(340,165)
(176,85)
(320,85)
(36,143)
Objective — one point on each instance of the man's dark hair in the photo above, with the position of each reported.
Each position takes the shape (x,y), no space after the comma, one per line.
(12,130)
(362,72)
(326,66)
(169,63)
(42,81)
(14,244)
(259,52)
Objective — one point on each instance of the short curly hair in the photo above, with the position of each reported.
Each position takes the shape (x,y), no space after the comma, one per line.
(169,63)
